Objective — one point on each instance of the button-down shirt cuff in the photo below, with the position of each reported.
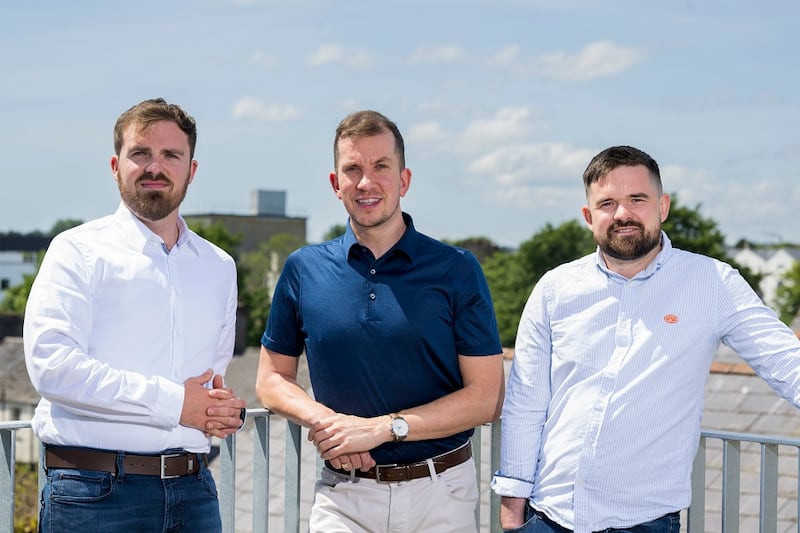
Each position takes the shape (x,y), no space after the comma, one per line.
(506,486)
(169,403)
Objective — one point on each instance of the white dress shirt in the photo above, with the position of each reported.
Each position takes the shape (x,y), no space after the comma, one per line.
(115,324)
(601,420)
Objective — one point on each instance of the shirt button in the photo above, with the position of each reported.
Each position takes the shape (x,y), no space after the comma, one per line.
(372,271)
(372,296)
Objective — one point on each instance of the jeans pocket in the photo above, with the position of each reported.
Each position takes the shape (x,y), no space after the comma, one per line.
(76,486)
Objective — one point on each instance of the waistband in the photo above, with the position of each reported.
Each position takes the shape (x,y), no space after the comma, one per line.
(165,465)
(408,471)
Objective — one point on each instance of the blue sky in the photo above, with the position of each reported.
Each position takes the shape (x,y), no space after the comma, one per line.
(502,104)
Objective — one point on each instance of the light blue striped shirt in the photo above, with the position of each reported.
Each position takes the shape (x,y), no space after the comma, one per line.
(601,419)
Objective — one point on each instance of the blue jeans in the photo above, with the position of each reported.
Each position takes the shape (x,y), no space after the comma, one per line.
(87,501)
(536,522)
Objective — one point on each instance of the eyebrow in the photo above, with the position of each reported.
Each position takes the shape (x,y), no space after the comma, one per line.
(144,148)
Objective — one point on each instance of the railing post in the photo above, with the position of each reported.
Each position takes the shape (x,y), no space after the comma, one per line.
(730,485)
(697,510)
(494,461)
(227,468)
(476,456)
(7,451)
(261,474)
(291,517)
(768,515)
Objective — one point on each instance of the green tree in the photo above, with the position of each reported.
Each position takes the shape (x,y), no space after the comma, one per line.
(511,276)
(481,247)
(690,231)
(64,224)
(787,294)
(16,296)
(260,274)
(220,236)
(333,232)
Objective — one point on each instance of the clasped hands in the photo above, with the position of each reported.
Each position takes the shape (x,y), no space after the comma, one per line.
(215,411)
(345,440)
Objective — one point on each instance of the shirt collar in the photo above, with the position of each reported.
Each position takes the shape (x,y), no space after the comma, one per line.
(653,267)
(406,246)
(138,234)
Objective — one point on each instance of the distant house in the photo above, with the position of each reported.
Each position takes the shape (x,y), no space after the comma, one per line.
(771,263)
(18,257)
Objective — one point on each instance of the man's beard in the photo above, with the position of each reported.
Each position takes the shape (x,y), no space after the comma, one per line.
(153,205)
(629,247)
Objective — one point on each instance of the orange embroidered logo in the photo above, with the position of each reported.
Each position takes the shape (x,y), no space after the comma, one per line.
(670,319)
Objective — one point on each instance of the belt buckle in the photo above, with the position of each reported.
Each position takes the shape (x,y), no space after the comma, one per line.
(164,465)
(378,469)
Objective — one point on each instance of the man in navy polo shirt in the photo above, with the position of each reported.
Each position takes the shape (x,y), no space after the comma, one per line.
(402,347)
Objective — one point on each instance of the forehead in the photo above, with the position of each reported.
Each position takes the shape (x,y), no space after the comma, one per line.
(161,132)
(367,147)
(625,181)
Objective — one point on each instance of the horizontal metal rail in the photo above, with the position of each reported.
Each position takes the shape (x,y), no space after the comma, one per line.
(719,451)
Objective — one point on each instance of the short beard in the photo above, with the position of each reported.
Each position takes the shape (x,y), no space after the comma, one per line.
(152,205)
(631,247)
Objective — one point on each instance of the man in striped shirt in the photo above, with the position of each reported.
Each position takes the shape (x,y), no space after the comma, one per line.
(601,419)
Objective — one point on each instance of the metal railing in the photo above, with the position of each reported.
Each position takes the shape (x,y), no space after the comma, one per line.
(718,468)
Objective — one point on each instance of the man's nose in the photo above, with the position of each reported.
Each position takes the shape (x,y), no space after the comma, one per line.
(154,166)
(621,212)
(365,180)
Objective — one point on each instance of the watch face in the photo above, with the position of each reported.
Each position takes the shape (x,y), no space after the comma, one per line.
(399,427)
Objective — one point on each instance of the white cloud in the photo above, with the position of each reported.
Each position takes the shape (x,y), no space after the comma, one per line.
(507,124)
(423,132)
(435,54)
(528,165)
(595,60)
(254,109)
(505,57)
(263,59)
(334,53)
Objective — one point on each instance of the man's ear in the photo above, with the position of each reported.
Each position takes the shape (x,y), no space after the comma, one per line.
(334,178)
(587,215)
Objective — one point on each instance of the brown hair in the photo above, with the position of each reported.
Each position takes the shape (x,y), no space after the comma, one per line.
(153,110)
(367,124)
(618,156)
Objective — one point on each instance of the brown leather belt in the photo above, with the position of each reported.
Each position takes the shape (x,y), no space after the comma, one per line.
(165,466)
(409,471)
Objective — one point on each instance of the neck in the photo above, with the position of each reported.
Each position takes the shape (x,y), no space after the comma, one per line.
(380,239)
(630,267)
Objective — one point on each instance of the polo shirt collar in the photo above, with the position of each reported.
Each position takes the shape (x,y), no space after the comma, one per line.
(406,246)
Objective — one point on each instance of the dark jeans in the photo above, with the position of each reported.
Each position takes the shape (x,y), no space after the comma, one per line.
(536,522)
(87,501)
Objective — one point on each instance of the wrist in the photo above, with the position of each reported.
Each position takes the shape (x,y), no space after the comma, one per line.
(398,427)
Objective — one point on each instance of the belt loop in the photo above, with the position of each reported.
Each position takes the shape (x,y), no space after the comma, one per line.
(201,464)
(432,470)
(120,462)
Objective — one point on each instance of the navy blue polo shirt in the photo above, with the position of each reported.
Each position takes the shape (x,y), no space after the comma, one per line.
(384,335)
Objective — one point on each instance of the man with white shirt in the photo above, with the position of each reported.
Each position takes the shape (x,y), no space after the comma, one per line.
(128,330)
(601,419)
